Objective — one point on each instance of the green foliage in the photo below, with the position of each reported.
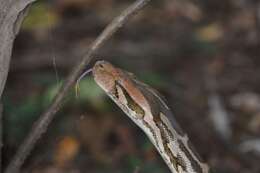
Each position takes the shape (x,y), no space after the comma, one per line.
(19,118)
(154,167)
(40,17)
(90,92)
(50,93)
(133,162)
(200,45)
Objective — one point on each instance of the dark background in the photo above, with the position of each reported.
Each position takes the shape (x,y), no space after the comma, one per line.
(202,55)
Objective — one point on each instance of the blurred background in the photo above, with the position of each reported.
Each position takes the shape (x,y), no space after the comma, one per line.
(202,55)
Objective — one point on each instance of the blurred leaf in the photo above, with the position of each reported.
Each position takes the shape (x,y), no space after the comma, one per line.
(50,93)
(154,167)
(40,17)
(133,161)
(210,33)
(44,78)
(19,119)
(67,148)
(91,92)
(202,46)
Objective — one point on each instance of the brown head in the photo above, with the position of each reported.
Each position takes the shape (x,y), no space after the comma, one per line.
(115,80)
(105,74)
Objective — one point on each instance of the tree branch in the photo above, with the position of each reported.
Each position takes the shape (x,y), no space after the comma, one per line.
(12,13)
(1,135)
(42,123)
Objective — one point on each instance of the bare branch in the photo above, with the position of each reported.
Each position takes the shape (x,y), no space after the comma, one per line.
(42,123)
(1,135)
(12,13)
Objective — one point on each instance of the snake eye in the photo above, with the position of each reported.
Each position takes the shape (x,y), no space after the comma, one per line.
(101,66)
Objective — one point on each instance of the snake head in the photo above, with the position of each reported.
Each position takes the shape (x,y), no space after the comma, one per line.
(105,74)
(119,85)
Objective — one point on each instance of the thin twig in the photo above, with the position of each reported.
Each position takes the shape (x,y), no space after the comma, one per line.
(42,123)
(1,135)
(12,14)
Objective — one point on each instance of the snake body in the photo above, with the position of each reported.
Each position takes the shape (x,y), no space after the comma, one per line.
(147,109)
